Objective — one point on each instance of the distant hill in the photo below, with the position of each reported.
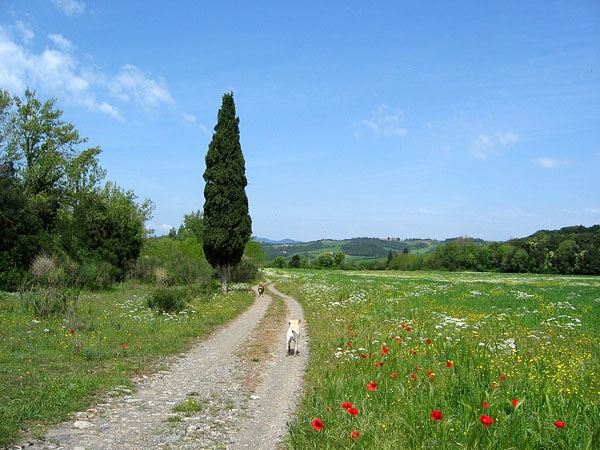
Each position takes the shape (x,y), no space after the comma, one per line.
(283,241)
(358,249)
(573,250)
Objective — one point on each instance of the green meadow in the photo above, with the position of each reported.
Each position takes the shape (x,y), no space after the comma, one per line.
(52,366)
(397,359)
(448,360)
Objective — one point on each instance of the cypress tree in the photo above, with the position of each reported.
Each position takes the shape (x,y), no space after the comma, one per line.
(227,222)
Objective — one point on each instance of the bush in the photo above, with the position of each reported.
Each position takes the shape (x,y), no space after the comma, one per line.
(50,301)
(169,299)
(244,272)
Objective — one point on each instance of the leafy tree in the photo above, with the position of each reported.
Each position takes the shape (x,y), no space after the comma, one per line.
(279,262)
(390,258)
(255,253)
(19,229)
(227,222)
(107,226)
(566,256)
(295,261)
(339,259)
(194,224)
(6,103)
(325,260)
(43,149)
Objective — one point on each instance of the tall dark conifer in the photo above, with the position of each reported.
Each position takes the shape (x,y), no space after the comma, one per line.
(227,222)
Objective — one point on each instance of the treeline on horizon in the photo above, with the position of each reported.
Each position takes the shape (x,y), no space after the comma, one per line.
(573,250)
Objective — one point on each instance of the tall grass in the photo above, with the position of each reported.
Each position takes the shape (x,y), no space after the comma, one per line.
(452,361)
(55,364)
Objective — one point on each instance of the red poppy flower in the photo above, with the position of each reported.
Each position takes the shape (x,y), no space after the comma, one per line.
(408,329)
(72,331)
(559,424)
(317,424)
(384,350)
(428,341)
(436,414)
(485,405)
(346,405)
(398,340)
(429,371)
(486,420)
(431,377)
(403,325)
(372,386)
(355,434)
(125,345)
(502,378)
(515,402)
(414,376)
(353,411)
(449,364)
(393,375)
(349,344)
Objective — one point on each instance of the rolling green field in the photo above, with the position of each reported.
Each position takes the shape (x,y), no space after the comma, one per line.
(448,360)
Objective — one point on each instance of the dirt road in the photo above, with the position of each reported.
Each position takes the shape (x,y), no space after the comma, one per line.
(244,402)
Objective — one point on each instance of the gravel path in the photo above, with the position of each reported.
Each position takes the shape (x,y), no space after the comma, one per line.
(243,404)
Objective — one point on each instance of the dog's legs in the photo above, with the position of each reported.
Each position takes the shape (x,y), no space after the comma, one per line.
(296,339)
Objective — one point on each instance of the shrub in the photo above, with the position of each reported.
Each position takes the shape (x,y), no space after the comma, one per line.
(244,272)
(168,299)
(50,301)
(161,277)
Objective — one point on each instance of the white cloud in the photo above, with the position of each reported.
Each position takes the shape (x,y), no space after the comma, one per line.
(57,71)
(62,42)
(548,163)
(70,7)
(485,145)
(506,138)
(132,83)
(482,146)
(189,118)
(385,123)
(25,32)
(15,63)
(160,230)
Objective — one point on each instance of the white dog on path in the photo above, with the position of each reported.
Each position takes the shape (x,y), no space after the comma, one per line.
(293,335)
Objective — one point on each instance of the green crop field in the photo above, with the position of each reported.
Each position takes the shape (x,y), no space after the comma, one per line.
(448,360)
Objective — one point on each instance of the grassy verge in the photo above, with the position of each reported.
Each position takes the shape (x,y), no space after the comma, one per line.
(453,361)
(53,366)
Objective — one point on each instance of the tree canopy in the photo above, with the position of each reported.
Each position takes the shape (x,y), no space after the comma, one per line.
(52,197)
(227,222)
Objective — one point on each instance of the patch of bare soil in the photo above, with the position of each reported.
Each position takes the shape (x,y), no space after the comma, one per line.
(234,390)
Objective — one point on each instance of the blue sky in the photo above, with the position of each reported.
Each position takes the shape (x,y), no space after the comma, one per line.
(405,119)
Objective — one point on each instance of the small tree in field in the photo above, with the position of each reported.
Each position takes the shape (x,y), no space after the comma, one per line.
(227,222)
